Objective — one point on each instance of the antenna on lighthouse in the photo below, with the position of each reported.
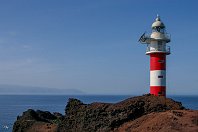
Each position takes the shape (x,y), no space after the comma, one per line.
(142,39)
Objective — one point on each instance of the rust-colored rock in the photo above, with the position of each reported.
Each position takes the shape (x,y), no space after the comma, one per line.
(169,121)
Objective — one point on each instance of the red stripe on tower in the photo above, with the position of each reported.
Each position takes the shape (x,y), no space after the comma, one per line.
(155,90)
(157,61)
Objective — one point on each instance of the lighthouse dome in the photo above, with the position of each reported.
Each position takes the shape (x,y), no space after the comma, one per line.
(158,23)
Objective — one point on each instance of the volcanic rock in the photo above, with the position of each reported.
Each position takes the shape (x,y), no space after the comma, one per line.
(106,116)
(169,121)
(36,121)
(99,117)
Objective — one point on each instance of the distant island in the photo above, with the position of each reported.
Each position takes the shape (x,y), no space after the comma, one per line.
(147,113)
(30,90)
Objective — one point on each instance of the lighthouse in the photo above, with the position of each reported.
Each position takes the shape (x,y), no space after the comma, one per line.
(157,49)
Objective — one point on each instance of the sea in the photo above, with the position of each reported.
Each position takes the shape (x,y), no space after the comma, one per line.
(12,106)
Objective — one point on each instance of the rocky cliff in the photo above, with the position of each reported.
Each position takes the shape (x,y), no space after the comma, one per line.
(97,116)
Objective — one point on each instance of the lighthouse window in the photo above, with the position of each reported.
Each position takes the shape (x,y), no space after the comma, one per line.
(160,76)
(161,61)
(160,43)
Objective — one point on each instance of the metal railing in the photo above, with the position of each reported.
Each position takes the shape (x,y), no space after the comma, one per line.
(165,50)
(168,36)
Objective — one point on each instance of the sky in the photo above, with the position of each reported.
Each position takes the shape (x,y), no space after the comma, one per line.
(92,45)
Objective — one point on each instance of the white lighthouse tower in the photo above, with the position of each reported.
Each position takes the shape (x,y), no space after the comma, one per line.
(157,49)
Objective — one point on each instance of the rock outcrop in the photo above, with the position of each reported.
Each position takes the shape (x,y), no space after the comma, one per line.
(106,117)
(32,121)
(96,116)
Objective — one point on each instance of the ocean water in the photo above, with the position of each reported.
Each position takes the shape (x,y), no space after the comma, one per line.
(13,105)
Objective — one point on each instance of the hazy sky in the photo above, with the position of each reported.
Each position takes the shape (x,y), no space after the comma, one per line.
(92,45)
